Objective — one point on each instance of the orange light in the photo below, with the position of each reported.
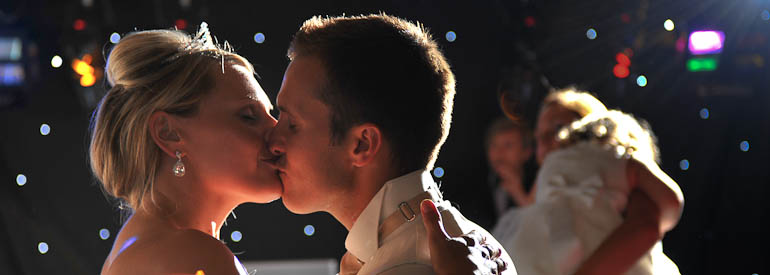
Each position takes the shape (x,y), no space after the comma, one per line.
(621,71)
(623,59)
(200,272)
(87,58)
(87,80)
(82,68)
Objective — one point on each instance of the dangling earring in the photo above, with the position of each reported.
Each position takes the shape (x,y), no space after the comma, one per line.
(179,166)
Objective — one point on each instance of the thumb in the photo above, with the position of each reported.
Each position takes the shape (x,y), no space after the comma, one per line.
(432,221)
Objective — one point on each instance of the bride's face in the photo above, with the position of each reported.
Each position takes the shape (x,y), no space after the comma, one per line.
(225,139)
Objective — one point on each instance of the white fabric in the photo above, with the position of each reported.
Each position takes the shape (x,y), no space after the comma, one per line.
(405,251)
(581,193)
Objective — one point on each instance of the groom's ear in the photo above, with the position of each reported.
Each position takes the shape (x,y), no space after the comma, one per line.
(367,142)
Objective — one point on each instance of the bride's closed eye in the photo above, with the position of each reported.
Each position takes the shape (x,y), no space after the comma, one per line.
(248,114)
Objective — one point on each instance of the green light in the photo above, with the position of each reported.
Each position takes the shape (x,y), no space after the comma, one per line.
(702,64)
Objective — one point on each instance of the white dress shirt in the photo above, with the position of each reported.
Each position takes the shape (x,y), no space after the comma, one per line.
(405,250)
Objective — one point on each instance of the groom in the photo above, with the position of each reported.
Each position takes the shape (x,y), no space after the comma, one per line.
(365,106)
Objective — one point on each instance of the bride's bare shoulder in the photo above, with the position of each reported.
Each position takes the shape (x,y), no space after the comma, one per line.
(179,252)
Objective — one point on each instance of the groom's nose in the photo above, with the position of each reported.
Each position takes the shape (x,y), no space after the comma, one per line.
(275,142)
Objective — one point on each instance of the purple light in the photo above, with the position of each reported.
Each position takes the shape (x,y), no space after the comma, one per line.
(706,42)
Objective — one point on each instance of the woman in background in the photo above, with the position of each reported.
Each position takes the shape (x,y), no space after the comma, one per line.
(602,204)
(509,146)
(559,109)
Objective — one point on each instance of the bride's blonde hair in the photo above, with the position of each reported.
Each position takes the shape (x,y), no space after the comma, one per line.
(149,71)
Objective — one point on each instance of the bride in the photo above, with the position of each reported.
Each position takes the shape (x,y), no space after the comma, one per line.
(178,139)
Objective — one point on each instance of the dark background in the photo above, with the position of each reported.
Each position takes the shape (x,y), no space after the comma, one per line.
(521,47)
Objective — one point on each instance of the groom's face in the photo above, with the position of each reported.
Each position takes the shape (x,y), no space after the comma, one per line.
(313,171)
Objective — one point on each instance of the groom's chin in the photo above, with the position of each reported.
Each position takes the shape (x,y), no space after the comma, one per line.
(293,208)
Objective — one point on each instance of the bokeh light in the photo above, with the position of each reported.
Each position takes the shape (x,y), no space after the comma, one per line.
(180,24)
(45,129)
(104,233)
(82,68)
(21,179)
(621,71)
(591,34)
(625,17)
(530,21)
(451,36)
(236,236)
(684,164)
(56,61)
(669,25)
(704,113)
(114,38)
(745,146)
(706,42)
(623,59)
(42,247)
(765,15)
(259,38)
(309,230)
(641,81)
(79,24)
(87,80)
(438,172)
(702,64)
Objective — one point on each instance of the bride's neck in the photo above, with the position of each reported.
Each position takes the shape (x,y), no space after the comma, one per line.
(183,204)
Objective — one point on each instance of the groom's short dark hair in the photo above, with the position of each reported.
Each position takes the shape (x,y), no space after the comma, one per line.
(387,71)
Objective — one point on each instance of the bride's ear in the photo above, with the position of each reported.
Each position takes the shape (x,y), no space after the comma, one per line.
(164,132)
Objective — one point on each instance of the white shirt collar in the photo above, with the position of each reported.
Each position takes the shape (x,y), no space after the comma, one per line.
(362,240)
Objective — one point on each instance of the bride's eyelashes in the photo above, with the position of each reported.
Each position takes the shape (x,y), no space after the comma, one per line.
(248,114)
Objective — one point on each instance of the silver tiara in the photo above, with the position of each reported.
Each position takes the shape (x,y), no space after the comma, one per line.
(203,36)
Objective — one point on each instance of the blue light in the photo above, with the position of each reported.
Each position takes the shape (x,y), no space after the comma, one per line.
(21,179)
(42,247)
(309,230)
(684,165)
(127,243)
(704,113)
(744,146)
(765,15)
(236,236)
(11,74)
(451,36)
(104,234)
(45,129)
(114,38)
(438,172)
(641,81)
(259,38)
(591,34)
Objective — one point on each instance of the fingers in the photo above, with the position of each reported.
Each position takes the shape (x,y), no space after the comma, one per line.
(473,238)
(432,220)
(501,265)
